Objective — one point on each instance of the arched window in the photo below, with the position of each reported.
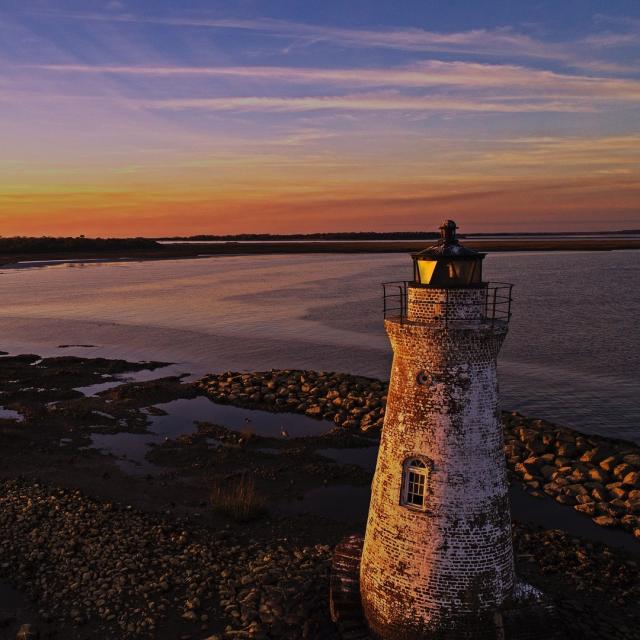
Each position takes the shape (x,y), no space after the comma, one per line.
(414,483)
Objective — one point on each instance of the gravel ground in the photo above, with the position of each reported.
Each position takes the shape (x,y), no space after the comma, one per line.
(130,575)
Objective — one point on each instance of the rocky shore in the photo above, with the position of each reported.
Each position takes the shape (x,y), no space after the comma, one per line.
(599,477)
(351,402)
(124,573)
(102,554)
(100,569)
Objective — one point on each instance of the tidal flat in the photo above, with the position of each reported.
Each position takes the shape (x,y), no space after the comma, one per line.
(228,530)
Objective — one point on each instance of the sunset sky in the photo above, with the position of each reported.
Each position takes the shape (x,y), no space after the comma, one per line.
(158,117)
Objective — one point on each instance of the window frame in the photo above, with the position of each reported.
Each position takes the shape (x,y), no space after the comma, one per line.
(422,468)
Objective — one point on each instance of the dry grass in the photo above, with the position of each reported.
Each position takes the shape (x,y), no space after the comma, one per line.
(237,498)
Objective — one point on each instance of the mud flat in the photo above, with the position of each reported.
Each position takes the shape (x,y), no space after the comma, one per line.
(198,250)
(218,541)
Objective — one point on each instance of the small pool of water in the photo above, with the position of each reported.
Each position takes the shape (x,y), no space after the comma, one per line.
(130,449)
(134,376)
(95,389)
(10,414)
(550,514)
(181,414)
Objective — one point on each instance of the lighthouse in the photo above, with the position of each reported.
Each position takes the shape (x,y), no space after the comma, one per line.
(437,560)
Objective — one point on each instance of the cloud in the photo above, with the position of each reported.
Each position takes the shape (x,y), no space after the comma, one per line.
(464,75)
(487,41)
(354,103)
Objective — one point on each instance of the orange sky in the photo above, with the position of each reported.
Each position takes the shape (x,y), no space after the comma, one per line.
(116,124)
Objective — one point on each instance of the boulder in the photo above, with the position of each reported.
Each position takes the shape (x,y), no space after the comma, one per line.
(631,479)
(610,463)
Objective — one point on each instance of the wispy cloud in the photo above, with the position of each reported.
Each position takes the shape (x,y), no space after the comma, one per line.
(499,41)
(469,76)
(356,103)
(487,41)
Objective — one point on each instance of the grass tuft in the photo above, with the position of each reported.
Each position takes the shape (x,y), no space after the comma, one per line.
(237,498)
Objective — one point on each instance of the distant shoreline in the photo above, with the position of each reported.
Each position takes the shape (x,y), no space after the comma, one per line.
(235,248)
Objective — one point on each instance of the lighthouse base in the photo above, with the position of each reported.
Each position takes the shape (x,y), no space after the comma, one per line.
(528,615)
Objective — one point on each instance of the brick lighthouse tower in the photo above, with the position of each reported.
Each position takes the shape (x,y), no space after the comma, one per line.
(438,560)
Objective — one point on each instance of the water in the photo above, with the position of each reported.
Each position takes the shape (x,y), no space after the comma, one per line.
(351,504)
(572,354)
(10,414)
(130,449)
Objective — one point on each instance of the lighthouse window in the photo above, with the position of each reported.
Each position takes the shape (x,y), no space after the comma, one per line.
(415,483)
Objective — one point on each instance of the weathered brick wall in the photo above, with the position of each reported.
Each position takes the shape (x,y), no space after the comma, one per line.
(428,573)
(428,305)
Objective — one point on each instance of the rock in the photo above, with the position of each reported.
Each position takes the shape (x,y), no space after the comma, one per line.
(632,479)
(605,521)
(609,463)
(575,490)
(633,505)
(547,471)
(632,459)
(617,491)
(588,508)
(621,470)
(597,474)
(567,449)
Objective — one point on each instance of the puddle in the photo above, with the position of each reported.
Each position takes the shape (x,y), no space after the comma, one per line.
(10,414)
(181,414)
(551,515)
(95,389)
(134,376)
(130,449)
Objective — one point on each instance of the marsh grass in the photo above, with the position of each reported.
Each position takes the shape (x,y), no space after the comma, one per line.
(237,498)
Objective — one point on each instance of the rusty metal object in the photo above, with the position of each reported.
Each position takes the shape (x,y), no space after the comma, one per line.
(344,589)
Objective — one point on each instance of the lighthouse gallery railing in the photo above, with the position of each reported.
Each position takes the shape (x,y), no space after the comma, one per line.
(495,305)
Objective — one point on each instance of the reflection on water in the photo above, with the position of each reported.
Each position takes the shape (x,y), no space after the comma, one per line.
(10,414)
(130,449)
(571,355)
(351,504)
(181,414)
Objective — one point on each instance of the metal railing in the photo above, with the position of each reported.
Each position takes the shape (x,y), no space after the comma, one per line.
(394,298)
(495,303)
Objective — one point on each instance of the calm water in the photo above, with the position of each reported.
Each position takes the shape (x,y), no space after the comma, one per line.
(572,354)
